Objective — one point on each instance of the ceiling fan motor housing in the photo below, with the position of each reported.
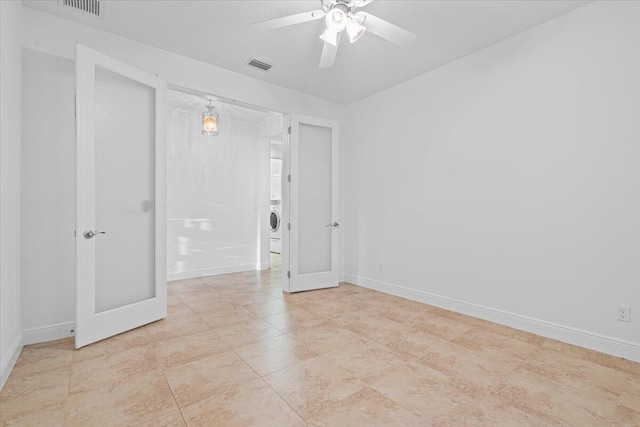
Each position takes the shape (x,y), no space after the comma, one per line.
(346,6)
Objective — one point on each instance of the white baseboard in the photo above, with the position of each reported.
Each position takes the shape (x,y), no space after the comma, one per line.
(264,266)
(215,271)
(602,343)
(9,359)
(49,333)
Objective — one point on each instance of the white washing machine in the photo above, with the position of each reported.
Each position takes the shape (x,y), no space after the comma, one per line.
(275,223)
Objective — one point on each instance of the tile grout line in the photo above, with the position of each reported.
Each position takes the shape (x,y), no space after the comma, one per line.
(66,398)
(155,356)
(283,399)
(395,354)
(562,384)
(268,385)
(231,349)
(262,377)
(365,385)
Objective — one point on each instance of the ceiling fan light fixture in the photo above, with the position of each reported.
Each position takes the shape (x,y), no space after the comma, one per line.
(339,16)
(336,19)
(330,36)
(355,30)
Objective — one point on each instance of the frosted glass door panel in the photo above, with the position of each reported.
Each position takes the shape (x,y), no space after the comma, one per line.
(312,198)
(124,190)
(315,199)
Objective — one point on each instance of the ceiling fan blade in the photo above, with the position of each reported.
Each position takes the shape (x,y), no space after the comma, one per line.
(286,21)
(361,3)
(328,57)
(386,30)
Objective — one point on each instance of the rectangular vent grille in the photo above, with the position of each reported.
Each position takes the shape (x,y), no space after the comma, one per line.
(92,7)
(259,64)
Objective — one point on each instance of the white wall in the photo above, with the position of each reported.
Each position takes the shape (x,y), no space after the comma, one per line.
(510,180)
(48,190)
(10,101)
(43,32)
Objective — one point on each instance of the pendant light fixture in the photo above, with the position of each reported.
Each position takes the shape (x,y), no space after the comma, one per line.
(210,121)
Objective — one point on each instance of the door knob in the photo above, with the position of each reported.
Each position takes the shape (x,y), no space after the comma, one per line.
(90,233)
(334,225)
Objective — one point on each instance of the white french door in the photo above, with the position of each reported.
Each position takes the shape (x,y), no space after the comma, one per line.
(313,204)
(120,197)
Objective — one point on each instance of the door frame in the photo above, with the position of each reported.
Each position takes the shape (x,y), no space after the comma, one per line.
(285,206)
(264,221)
(92,327)
(286,170)
(266,218)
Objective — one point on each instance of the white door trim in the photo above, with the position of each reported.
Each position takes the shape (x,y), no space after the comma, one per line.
(285,200)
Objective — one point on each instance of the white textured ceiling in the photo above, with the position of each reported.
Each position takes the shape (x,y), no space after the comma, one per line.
(219,33)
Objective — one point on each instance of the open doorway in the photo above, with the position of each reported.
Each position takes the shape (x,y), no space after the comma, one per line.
(276,145)
(219,191)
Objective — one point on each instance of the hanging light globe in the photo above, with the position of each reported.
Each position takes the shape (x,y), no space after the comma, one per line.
(210,121)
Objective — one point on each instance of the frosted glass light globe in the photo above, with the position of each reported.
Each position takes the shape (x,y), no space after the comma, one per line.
(355,30)
(336,20)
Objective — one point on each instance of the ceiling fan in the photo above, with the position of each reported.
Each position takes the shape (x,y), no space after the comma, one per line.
(341,15)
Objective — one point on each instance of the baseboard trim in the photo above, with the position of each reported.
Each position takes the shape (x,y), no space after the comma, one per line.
(49,333)
(9,359)
(215,271)
(593,341)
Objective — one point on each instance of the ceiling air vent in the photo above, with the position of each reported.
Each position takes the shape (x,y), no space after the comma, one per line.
(259,64)
(90,7)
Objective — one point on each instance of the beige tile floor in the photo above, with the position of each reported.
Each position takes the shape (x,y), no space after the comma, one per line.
(236,351)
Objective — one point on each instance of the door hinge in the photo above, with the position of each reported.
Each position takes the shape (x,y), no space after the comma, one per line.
(288,226)
(288,274)
(289,130)
(289,178)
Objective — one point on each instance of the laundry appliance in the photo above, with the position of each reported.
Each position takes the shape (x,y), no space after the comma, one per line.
(275,239)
